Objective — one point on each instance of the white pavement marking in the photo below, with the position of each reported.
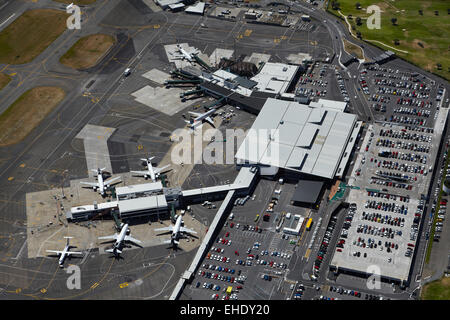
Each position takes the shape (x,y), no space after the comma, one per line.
(7,19)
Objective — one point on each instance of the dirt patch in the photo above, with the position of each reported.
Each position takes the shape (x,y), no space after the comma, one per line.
(353,49)
(30,34)
(87,51)
(27,112)
(419,44)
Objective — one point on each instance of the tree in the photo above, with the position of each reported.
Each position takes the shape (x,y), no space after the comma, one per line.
(421,12)
(396,42)
(358,6)
(394,21)
(358,21)
(358,34)
(335,5)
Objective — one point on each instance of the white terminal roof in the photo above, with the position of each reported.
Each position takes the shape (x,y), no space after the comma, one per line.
(137,188)
(329,104)
(199,8)
(275,77)
(296,137)
(144,203)
(165,3)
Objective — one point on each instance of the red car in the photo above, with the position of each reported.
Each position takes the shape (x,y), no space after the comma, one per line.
(227,234)
(236,253)
(232,225)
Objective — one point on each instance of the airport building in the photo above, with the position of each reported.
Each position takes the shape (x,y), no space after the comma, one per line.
(312,142)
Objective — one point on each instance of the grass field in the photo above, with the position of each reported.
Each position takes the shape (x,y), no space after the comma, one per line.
(437,290)
(87,51)
(26,37)
(4,80)
(425,37)
(27,112)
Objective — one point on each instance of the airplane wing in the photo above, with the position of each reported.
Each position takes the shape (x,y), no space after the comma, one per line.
(211,121)
(162,169)
(92,184)
(110,181)
(73,252)
(54,251)
(113,237)
(140,172)
(195,113)
(183,229)
(164,229)
(130,238)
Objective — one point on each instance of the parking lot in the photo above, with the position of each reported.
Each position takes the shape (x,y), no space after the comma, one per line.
(321,80)
(392,174)
(249,254)
(399,96)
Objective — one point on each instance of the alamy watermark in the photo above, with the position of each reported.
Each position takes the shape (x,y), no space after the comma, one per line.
(374,280)
(374,21)
(74,20)
(74,280)
(221,149)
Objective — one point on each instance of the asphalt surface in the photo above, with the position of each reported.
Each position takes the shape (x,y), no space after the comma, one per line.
(101,96)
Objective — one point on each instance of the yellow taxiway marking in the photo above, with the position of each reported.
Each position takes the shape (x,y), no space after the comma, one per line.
(10,178)
(22,165)
(43,290)
(18,290)
(13,74)
(156,26)
(140,147)
(248,32)
(94,285)
(123,285)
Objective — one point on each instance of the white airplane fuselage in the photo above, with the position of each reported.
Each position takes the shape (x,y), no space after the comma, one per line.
(186,55)
(176,228)
(101,184)
(151,174)
(121,237)
(63,256)
(199,120)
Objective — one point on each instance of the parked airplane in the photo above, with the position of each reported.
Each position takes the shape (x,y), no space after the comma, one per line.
(176,231)
(64,253)
(199,117)
(120,239)
(184,55)
(101,185)
(151,172)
